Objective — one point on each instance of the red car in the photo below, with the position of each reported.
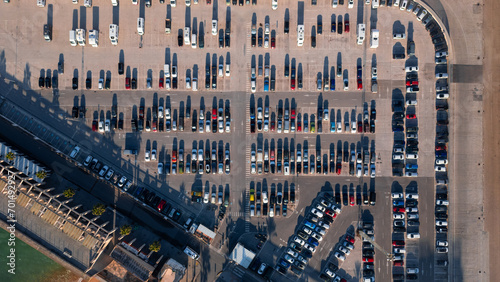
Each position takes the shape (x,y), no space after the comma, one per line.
(399,263)
(160,84)
(346,24)
(273,42)
(292,83)
(367,259)
(272,155)
(411,116)
(273,125)
(351,200)
(154,126)
(360,126)
(299,126)
(209,1)
(127,83)
(94,125)
(360,84)
(161,205)
(339,168)
(330,213)
(349,239)
(398,209)
(397,243)
(214,113)
(441,148)
(292,116)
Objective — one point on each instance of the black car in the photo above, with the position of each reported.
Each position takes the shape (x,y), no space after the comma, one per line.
(397,56)
(339,27)
(411,203)
(47,82)
(82,111)
(74,112)
(41,82)
(107,84)
(75,83)
(254,40)
(313,41)
(134,83)
(60,67)
(320,26)
(55,82)
(88,83)
(221,40)
(120,124)
(120,68)
(180,40)
(287,26)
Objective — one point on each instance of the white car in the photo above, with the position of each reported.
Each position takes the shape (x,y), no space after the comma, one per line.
(207,126)
(214,27)
(107,125)
(320,231)
(329,273)
(212,200)
(317,236)
(292,252)
(153,154)
(323,225)
(441,161)
(399,36)
(412,216)
(399,251)
(307,230)
(442,202)
(316,213)
(344,250)
(442,96)
(442,243)
(221,126)
(320,207)
(310,247)
(274,4)
(353,127)
(289,258)
(205,198)
(335,3)
(413,235)
(101,82)
(440,168)
(339,255)
(441,75)
(147,156)
(397,195)
(398,216)
(441,61)
(410,69)
(411,174)
(348,245)
(411,210)
(298,241)
(262,268)
(339,126)
(228,126)
(412,196)
(441,54)
(350,4)
(160,111)
(441,223)
(412,270)
(422,15)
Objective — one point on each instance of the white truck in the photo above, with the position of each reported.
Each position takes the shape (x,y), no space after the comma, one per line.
(300,35)
(94,38)
(361,33)
(374,38)
(140,26)
(113,34)
(72,38)
(80,36)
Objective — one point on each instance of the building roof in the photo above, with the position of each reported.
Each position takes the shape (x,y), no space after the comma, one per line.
(242,256)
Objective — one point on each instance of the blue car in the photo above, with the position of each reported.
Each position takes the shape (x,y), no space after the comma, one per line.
(332,126)
(398,203)
(441,154)
(332,84)
(313,241)
(310,224)
(284,263)
(411,166)
(138,191)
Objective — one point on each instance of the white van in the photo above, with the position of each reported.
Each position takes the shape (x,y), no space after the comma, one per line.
(40,3)
(193,41)
(195,84)
(214,27)
(187,33)
(113,34)
(140,26)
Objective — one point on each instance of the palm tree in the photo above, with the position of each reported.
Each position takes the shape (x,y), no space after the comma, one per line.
(42,174)
(98,209)
(155,246)
(125,230)
(69,193)
(10,156)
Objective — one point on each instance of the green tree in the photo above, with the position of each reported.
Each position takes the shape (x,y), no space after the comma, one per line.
(155,246)
(125,230)
(10,156)
(69,193)
(41,174)
(98,209)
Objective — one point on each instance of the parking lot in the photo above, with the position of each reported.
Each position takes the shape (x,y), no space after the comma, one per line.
(145,57)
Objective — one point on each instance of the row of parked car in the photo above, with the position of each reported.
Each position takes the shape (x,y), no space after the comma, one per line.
(108,173)
(290,161)
(412,228)
(200,161)
(306,241)
(277,200)
(368,252)
(292,121)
